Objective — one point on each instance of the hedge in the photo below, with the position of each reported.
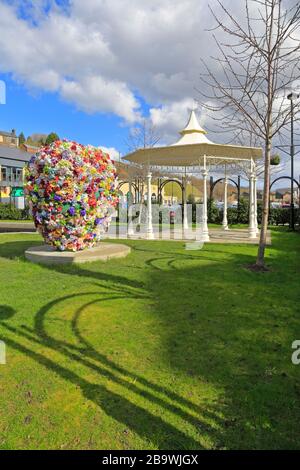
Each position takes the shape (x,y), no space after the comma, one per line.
(10,212)
(235,215)
(278,216)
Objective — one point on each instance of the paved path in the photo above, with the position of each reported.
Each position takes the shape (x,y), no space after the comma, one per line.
(217,235)
(237,236)
(17,227)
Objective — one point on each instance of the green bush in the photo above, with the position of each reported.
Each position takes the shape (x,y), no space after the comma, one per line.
(213,212)
(275,159)
(235,215)
(278,216)
(10,212)
(281,216)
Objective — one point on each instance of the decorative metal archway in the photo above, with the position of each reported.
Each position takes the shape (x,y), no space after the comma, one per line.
(284,178)
(164,183)
(214,184)
(236,184)
(134,185)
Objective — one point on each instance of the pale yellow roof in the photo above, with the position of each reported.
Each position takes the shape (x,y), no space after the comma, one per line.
(191,155)
(191,149)
(193,132)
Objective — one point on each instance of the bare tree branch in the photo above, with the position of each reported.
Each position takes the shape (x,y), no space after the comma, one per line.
(257,63)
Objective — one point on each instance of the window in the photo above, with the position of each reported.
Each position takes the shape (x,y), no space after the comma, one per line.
(14,172)
(3,173)
(19,174)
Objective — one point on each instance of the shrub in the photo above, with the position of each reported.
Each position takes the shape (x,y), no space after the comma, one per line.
(10,212)
(212,212)
(243,211)
(275,160)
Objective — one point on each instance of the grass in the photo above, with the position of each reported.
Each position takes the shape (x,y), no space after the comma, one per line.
(165,349)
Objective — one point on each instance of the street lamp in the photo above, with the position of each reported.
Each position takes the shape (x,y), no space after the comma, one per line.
(292,96)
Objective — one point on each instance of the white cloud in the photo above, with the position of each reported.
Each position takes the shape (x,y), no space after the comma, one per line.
(112,152)
(103,56)
(96,94)
(170,118)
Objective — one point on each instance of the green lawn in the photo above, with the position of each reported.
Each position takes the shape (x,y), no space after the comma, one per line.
(165,349)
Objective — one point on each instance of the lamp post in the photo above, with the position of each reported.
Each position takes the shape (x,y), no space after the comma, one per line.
(292,96)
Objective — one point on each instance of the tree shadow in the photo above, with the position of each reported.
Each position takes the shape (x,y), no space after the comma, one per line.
(138,419)
(208,330)
(244,351)
(6,312)
(13,250)
(154,428)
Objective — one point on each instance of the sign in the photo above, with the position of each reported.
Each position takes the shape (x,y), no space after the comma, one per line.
(17,192)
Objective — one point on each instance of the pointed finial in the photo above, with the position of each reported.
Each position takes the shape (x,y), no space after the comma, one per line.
(193,125)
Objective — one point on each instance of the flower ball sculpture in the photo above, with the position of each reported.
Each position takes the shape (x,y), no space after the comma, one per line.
(72,192)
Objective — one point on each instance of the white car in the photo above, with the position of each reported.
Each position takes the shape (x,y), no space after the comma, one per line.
(275,205)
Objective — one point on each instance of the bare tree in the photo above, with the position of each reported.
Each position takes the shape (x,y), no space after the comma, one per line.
(257,62)
(144,135)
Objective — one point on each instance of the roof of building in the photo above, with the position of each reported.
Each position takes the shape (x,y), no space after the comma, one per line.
(35,147)
(8,134)
(13,156)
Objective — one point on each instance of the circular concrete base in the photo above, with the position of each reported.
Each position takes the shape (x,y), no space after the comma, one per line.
(102,252)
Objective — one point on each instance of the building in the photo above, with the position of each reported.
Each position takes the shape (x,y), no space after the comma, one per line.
(31,148)
(12,162)
(9,139)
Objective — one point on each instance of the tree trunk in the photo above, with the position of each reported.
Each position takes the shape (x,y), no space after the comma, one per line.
(260,261)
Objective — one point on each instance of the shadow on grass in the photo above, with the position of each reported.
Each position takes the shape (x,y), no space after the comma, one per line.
(154,428)
(218,323)
(13,250)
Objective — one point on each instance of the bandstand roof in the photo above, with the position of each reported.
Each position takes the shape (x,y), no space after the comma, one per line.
(191,149)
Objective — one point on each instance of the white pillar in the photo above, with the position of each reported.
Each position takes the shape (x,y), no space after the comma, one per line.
(252,227)
(204,233)
(255,205)
(130,230)
(225,221)
(185,214)
(141,202)
(149,233)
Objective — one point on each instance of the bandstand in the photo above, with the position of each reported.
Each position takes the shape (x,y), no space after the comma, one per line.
(194,154)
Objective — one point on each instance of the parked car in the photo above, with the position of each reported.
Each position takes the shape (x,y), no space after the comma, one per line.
(275,205)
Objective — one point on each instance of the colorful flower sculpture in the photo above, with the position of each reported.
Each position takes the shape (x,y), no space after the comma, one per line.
(72,191)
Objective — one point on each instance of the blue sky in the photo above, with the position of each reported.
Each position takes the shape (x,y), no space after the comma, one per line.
(38,111)
(91,70)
